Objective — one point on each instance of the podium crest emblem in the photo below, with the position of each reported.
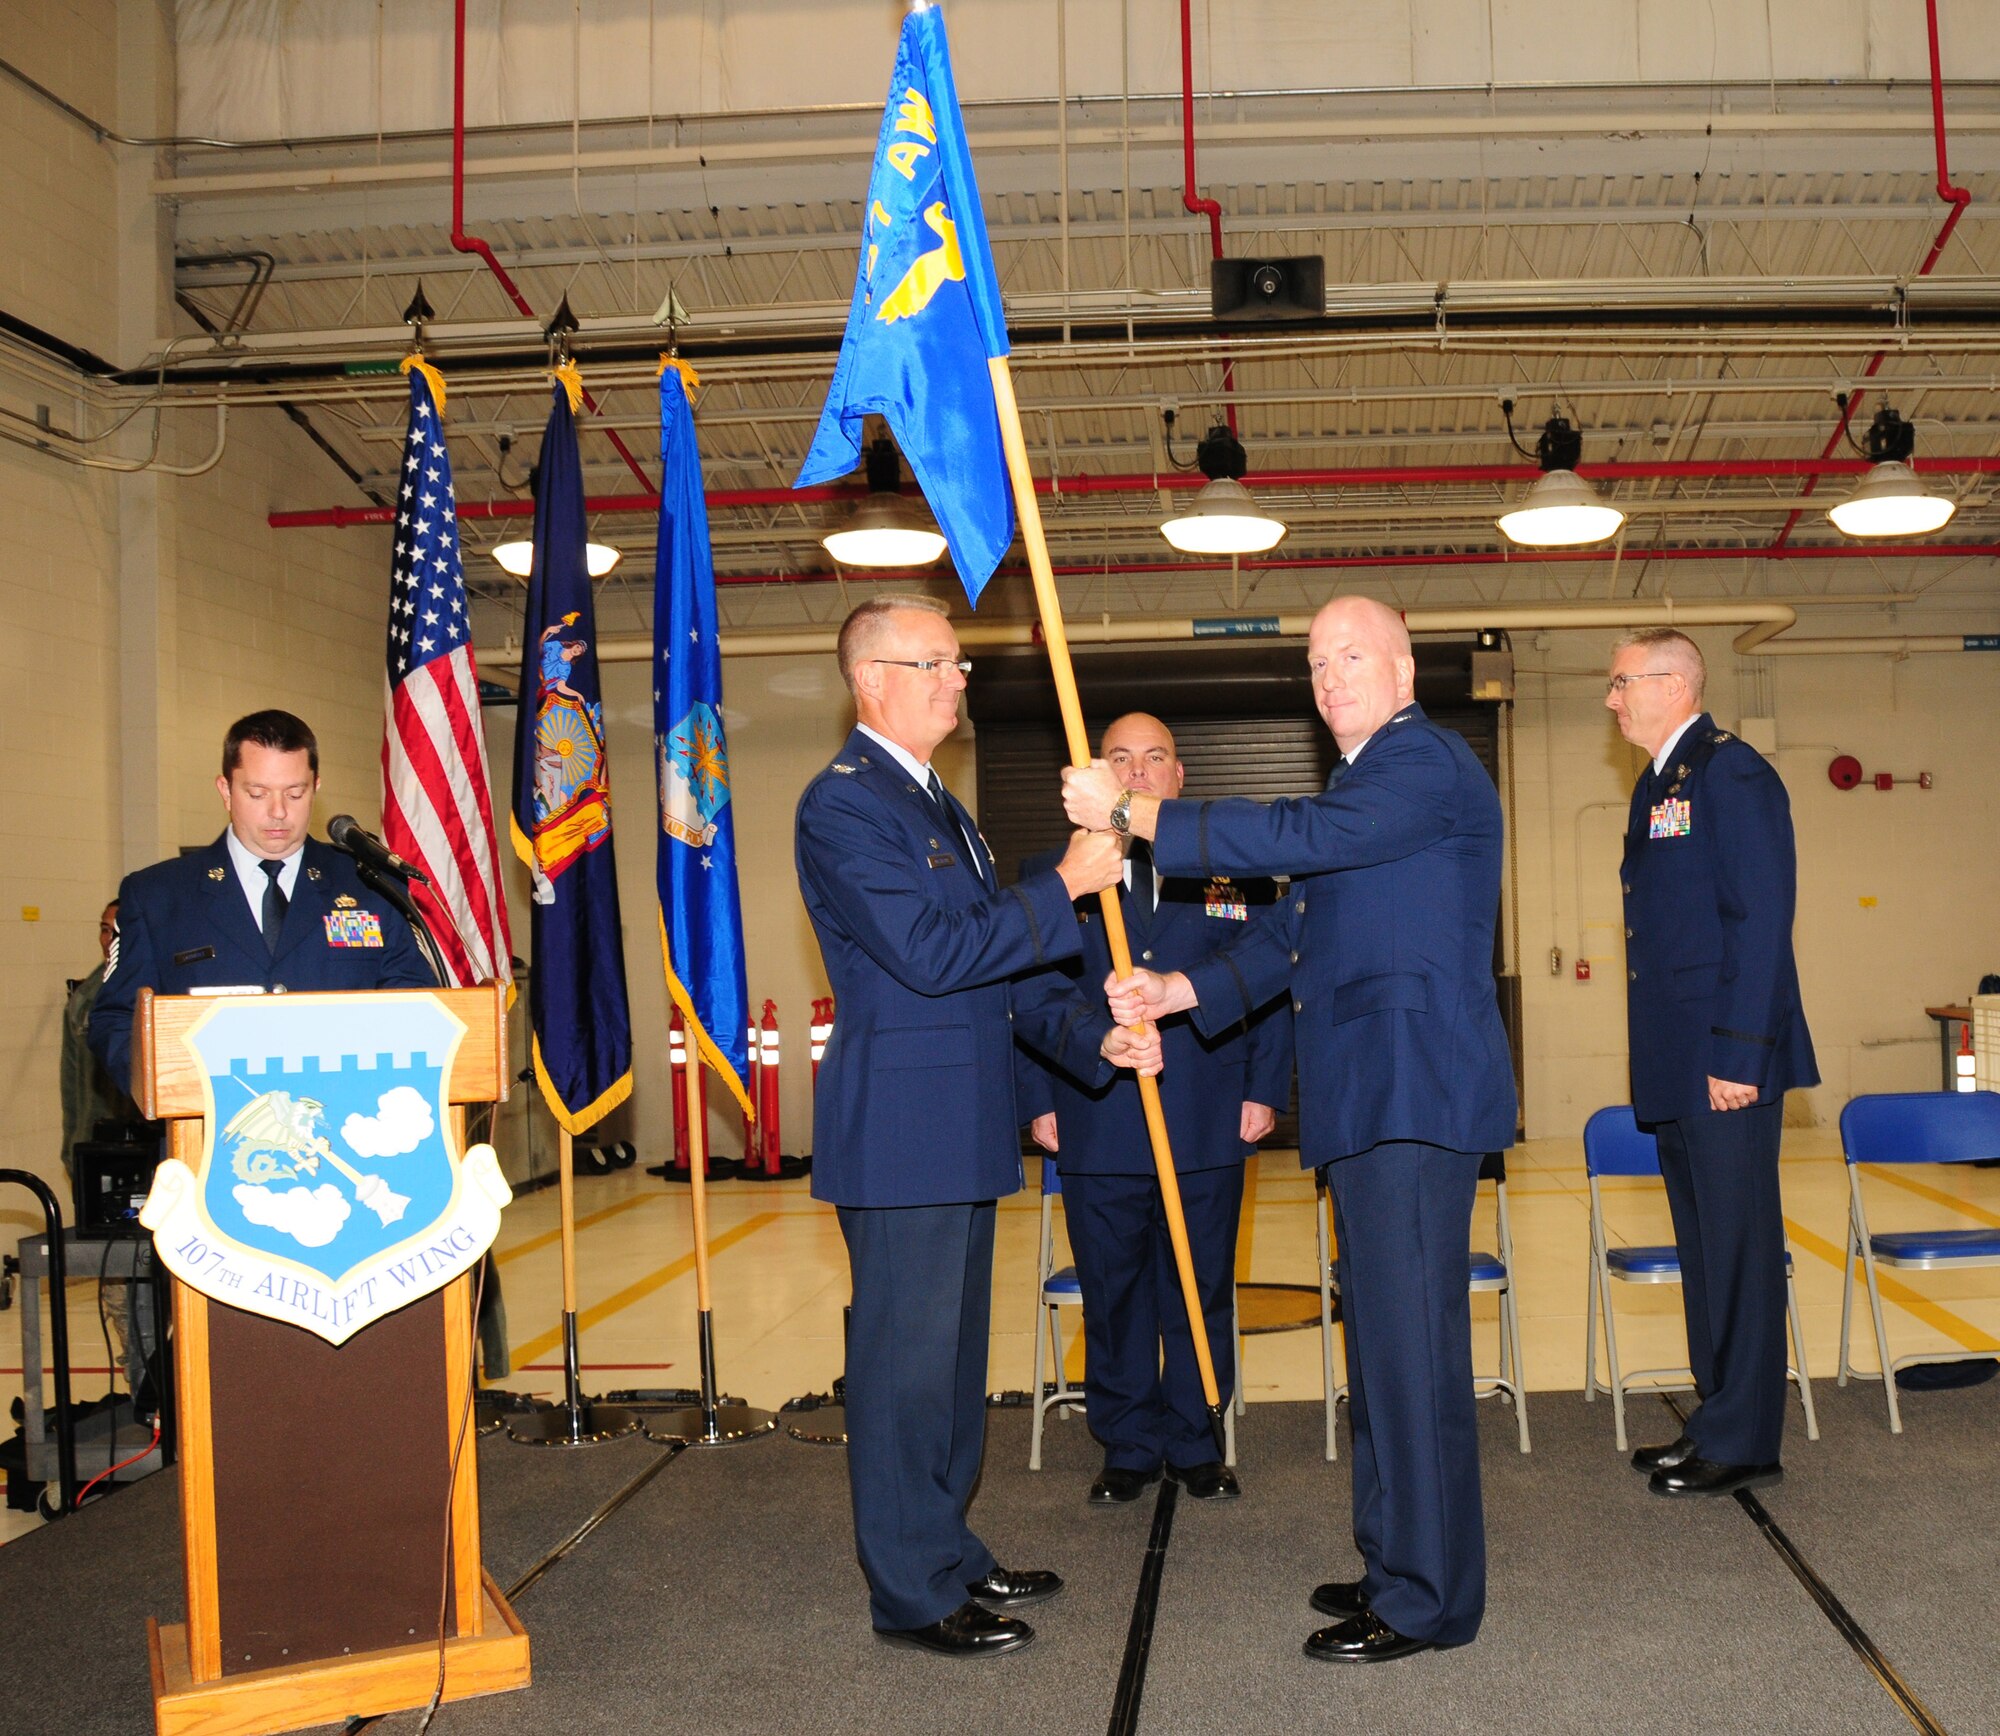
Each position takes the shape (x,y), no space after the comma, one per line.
(330,1189)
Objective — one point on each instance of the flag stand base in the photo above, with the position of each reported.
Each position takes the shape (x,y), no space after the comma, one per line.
(712,1422)
(820,1418)
(576,1421)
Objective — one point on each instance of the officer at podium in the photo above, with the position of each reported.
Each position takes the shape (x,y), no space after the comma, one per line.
(264,909)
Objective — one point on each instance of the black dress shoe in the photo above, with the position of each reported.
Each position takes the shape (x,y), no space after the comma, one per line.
(1675,1452)
(968,1632)
(1116,1486)
(1007,1585)
(1363,1639)
(1213,1481)
(1341,1598)
(1706,1477)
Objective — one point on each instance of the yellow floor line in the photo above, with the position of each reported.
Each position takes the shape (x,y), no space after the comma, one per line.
(582,1223)
(1936,1195)
(1939,1319)
(540,1346)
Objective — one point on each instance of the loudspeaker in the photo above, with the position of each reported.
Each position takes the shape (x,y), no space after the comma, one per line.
(1267,289)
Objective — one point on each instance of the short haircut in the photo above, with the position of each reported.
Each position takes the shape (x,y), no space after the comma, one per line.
(1675,649)
(277,730)
(862,631)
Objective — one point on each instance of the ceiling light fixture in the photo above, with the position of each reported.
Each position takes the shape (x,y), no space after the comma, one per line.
(1561,510)
(1891,500)
(1223,519)
(518,557)
(884,530)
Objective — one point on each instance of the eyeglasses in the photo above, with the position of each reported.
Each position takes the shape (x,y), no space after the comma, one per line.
(1618,683)
(930,665)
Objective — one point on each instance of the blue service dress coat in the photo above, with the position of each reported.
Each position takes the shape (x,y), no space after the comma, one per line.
(1405,1081)
(1710,879)
(914,1139)
(184,924)
(1141,1378)
(1061,1020)
(1710,883)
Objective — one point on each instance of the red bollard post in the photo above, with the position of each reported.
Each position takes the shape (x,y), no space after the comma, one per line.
(767,1091)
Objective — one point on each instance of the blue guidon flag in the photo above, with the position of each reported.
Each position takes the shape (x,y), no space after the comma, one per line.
(330,1189)
(926,316)
(701,907)
(562,804)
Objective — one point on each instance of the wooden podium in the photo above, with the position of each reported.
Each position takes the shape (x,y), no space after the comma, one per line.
(317,1488)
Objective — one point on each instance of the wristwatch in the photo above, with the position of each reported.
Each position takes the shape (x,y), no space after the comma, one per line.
(1121,814)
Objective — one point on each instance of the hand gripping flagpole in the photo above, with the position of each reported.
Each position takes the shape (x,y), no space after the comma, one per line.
(1029,511)
(713,1422)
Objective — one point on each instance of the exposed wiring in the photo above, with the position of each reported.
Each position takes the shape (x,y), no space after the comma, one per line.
(112,1470)
(103,133)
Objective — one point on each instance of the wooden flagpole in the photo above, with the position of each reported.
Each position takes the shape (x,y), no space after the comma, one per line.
(1028,509)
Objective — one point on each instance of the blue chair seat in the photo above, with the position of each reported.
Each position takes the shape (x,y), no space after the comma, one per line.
(1656,1265)
(1936,1247)
(1487,1268)
(1063,1283)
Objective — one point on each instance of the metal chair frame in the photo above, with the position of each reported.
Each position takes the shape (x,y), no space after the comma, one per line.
(1945,1127)
(1604,1268)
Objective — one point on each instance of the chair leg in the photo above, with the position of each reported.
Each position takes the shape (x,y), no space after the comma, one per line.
(1236,1337)
(1611,1358)
(1320,1209)
(1590,1323)
(1799,1352)
(1846,1299)
(1882,1341)
(1510,1314)
(1044,1324)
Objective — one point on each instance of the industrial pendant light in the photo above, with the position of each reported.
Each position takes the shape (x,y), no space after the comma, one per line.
(1561,510)
(518,557)
(1891,500)
(884,530)
(1223,519)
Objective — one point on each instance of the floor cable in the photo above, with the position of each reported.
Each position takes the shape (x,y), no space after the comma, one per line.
(1145,1607)
(1837,1613)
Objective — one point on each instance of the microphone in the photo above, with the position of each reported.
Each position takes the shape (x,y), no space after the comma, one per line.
(346,833)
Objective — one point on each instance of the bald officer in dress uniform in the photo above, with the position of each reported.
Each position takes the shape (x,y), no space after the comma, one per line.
(914,1130)
(1718,1035)
(1221,1094)
(263,908)
(1405,1083)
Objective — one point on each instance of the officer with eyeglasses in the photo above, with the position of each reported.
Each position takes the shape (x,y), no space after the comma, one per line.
(1717,1035)
(914,1132)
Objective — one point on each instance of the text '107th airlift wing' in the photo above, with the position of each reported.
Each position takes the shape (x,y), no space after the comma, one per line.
(330,1190)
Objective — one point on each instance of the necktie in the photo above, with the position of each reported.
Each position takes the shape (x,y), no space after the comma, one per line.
(937,792)
(945,812)
(1139,856)
(275,903)
(1340,770)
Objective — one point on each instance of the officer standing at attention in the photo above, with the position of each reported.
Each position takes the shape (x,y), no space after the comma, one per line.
(1221,1094)
(1718,1035)
(1405,1083)
(263,909)
(914,1128)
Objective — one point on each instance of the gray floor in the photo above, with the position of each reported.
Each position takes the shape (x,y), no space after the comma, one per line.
(724,1597)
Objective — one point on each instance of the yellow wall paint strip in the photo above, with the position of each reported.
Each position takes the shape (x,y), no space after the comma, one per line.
(1893,1290)
(1936,1195)
(582,1223)
(540,1346)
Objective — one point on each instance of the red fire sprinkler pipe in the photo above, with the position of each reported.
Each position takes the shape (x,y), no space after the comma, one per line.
(1189,197)
(1956,197)
(465,243)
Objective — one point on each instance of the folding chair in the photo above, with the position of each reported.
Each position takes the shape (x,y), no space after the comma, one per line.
(1057,1289)
(1613,1145)
(1485,1272)
(1912,1127)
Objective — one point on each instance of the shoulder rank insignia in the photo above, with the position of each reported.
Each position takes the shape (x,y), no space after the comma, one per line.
(218,874)
(312,874)
(346,901)
(1721,736)
(841,766)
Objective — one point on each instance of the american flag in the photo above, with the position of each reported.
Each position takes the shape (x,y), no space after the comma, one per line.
(437,809)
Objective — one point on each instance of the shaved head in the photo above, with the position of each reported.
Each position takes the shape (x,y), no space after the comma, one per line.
(1140,749)
(1363,671)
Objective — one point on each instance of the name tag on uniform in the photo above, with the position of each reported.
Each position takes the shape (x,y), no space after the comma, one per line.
(944,859)
(353,928)
(1671,819)
(1225,899)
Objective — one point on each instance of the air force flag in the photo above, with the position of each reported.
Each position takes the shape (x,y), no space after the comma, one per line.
(926,316)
